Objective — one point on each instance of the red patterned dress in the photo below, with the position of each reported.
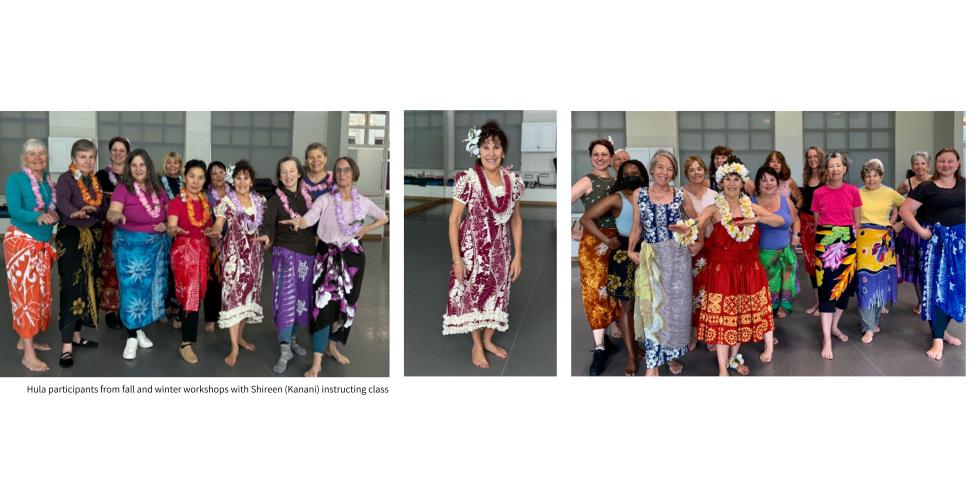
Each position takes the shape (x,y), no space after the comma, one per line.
(736,297)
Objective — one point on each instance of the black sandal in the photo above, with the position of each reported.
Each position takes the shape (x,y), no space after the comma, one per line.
(85,343)
(66,360)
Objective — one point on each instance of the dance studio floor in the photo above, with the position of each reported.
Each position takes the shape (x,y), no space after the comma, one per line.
(368,348)
(531,338)
(899,349)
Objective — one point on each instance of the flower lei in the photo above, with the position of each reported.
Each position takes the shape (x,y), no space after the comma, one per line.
(85,196)
(502,208)
(688,238)
(349,229)
(743,234)
(305,195)
(324,184)
(36,188)
(249,222)
(153,210)
(471,142)
(164,180)
(227,191)
(728,168)
(112,178)
(185,197)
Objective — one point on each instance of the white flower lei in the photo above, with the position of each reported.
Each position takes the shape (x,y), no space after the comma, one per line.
(726,218)
(689,237)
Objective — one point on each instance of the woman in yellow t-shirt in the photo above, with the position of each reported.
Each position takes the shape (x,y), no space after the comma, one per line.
(876,263)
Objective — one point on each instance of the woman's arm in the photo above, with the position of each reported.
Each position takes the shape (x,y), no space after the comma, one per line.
(856,213)
(515,269)
(589,218)
(903,187)
(795,227)
(114,214)
(583,187)
(795,192)
(15,196)
(907,211)
(454,224)
(766,217)
(636,229)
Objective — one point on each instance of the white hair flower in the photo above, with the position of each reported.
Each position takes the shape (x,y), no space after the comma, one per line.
(471,142)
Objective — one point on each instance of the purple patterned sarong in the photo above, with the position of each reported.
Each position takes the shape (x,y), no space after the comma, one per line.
(291,273)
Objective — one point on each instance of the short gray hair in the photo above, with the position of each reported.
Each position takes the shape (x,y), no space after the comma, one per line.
(671,157)
(33,144)
(875,165)
(917,154)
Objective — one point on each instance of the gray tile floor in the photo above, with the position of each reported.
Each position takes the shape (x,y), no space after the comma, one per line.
(531,338)
(368,348)
(897,350)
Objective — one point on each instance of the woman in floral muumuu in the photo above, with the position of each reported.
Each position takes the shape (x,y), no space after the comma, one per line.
(484,262)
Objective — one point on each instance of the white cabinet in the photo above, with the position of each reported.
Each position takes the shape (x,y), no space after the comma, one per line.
(539,137)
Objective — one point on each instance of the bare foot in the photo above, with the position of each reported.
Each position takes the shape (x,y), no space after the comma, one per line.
(630,367)
(37,346)
(496,350)
(231,359)
(651,372)
(767,355)
(247,345)
(781,313)
(812,311)
(936,351)
(817,314)
(693,344)
(917,309)
(837,333)
(710,347)
(867,336)
(35,365)
(675,367)
(313,371)
(333,352)
(478,358)
(742,369)
(776,341)
(724,372)
(175,323)
(947,338)
(826,353)
(614,331)
(885,310)
(209,327)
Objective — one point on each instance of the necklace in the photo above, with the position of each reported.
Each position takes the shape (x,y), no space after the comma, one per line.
(250,221)
(164,180)
(79,181)
(154,209)
(213,192)
(323,185)
(351,228)
(284,199)
(503,205)
(191,214)
(36,187)
(726,218)
(112,178)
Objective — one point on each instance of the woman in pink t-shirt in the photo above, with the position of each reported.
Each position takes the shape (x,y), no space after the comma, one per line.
(837,208)
(140,247)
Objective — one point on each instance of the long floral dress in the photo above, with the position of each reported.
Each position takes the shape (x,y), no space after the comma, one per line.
(242,258)
(481,298)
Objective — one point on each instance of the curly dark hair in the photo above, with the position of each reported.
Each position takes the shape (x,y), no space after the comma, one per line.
(602,142)
(492,130)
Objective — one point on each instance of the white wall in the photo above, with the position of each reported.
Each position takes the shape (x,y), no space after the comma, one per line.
(914,132)
(310,127)
(651,129)
(198,142)
(788,133)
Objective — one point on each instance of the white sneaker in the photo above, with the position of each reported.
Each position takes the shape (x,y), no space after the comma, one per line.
(130,351)
(144,341)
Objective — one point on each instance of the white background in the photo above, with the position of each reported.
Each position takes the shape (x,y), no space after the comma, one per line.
(463,432)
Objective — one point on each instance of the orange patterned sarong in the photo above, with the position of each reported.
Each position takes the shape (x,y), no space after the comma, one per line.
(29,264)
(601,309)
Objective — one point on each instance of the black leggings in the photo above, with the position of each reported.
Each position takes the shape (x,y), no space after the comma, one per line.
(188,327)
(212,300)
(939,323)
(68,332)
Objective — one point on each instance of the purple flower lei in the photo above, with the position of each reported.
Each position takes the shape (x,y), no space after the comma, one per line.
(351,228)
(249,223)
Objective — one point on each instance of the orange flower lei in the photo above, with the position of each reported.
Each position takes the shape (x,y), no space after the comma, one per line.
(87,197)
(203,202)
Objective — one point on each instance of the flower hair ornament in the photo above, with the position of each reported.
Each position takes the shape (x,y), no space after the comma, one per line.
(728,168)
(471,142)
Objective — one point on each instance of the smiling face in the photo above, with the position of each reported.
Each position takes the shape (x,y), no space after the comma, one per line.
(920,166)
(600,157)
(118,154)
(768,184)
(195,180)
(217,175)
(719,160)
(733,184)
(620,156)
(36,160)
(696,173)
(316,161)
(138,169)
(84,161)
(344,172)
(947,164)
(812,158)
(775,164)
(872,180)
(289,174)
(662,172)
(490,153)
(836,170)
(242,183)
(172,167)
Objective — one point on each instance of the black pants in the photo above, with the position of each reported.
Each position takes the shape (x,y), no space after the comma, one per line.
(188,327)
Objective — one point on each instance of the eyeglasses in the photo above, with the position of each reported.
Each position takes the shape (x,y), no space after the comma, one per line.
(344,169)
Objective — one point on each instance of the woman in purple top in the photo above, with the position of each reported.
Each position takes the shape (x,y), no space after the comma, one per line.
(317,180)
(81,206)
(340,260)
(140,247)
(837,208)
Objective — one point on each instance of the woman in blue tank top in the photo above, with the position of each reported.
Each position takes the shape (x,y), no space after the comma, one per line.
(777,243)
(620,278)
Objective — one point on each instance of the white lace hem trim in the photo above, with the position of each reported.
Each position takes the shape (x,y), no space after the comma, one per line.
(253,313)
(466,323)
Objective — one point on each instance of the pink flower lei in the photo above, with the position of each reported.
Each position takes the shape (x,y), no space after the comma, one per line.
(36,188)
(305,195)
(351,228)
(249,223)
(153,210)
(325,184)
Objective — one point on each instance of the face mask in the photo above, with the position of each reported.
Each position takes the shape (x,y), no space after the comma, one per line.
(631,182)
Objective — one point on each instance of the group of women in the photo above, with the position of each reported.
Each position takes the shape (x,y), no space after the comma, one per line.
(133,243)
(714,260)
